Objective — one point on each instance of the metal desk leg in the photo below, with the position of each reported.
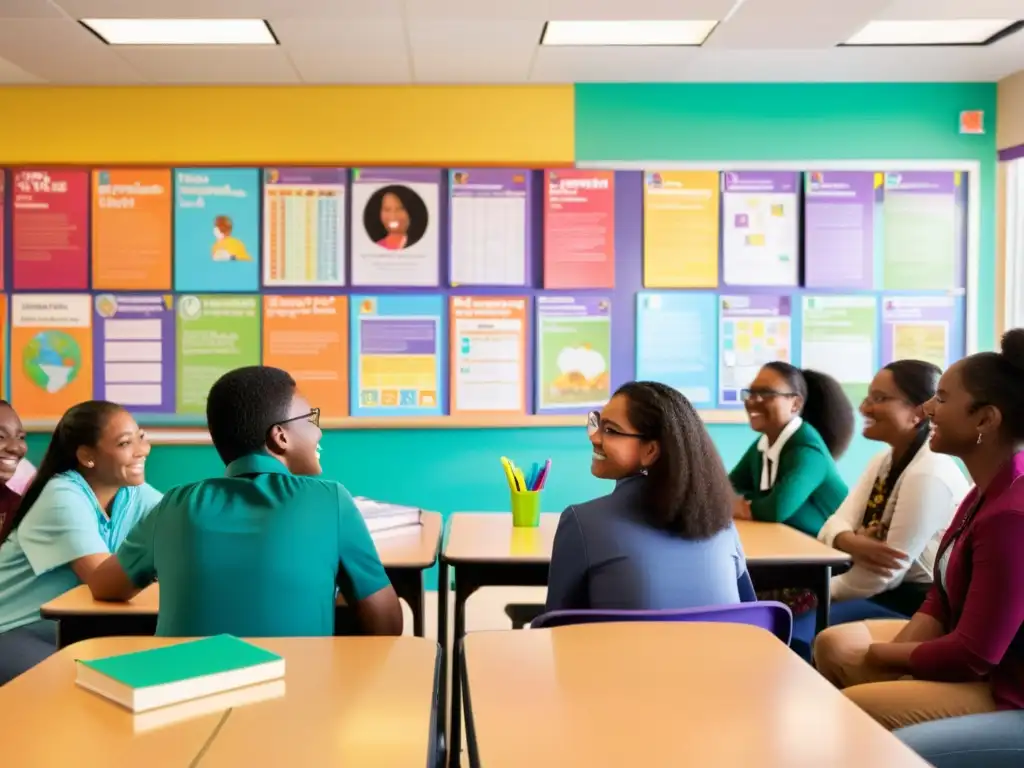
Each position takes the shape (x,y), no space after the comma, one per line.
(408,584)
(455,719)
(823,591)
(442,639)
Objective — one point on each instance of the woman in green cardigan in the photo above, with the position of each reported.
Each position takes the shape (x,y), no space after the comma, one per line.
(789,474)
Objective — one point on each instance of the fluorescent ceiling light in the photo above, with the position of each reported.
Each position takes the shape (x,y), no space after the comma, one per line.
(944,32)
(182,31)
(668,32)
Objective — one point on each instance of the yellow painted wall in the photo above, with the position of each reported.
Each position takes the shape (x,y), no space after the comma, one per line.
(358,125)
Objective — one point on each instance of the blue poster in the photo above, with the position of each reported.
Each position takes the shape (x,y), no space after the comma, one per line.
(216,229)
(399,345)
(677,343)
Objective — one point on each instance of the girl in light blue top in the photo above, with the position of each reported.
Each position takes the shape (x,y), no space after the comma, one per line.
(88,493)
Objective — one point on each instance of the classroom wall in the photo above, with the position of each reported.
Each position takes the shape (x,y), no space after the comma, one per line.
(457,470)
(1010,111)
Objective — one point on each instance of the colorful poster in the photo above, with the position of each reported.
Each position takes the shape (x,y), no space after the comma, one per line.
(753,330)
(3,343)
(399,347)
(51,353)
(216,334)
(308,337)
(488,369)
(133,337)
(131,229)
(396,229)
(216,229)
(840,338)
(677,343)
(760,220)
(926,328)
(304,226)
(839,228)
(3,241)
(51,229)
(923,225)
(681,229)
(490,226)
(579,229)
(574,344)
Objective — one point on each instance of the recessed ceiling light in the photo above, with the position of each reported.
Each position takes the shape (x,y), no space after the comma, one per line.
(937,32)
(182,31)
(668,32)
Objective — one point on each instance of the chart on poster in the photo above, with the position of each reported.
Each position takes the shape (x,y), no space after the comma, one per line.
(488,354)
(490,227)
(753,330)
(760,238)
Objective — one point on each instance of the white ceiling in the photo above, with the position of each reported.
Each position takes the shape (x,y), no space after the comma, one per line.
(495,41)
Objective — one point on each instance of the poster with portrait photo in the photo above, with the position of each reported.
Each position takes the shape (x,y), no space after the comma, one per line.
(395,232)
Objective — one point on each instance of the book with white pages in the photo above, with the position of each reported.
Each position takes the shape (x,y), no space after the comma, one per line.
(380,516)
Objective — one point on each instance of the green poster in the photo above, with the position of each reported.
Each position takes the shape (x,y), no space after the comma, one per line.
(574,341)
(840,338)
(215,335)
(922,231)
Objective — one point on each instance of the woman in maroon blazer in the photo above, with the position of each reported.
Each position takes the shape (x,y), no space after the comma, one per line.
(963,652)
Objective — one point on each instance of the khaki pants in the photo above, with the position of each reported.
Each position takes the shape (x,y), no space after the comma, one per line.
(894,701)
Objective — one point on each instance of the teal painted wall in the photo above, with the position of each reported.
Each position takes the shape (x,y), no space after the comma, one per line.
(451,470)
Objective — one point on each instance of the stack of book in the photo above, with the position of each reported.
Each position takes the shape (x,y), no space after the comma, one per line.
(387,520)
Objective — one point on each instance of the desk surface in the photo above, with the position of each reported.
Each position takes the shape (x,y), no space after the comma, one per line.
(662,694)
(490,537)
(343,701)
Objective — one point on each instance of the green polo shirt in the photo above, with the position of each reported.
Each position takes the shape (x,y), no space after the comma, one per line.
(256,553)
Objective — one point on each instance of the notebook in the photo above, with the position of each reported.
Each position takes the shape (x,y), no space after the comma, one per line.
(175,673)
(381,517)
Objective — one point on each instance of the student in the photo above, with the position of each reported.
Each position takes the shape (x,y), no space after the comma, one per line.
(89,491)
(894,518)
(789,475)
(664,538)
(256,553)
(965,648)
(12,455)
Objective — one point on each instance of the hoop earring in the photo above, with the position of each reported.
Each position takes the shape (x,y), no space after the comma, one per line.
(643,470)
(979,439)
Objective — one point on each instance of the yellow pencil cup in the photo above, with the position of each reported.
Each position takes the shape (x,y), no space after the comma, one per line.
(525,509)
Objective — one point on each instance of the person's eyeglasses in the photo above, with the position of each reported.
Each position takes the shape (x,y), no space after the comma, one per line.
(760,395)
(594,425)
(879,398)
(313,417)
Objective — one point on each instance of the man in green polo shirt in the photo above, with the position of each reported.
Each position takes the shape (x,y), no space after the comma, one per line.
(256,553)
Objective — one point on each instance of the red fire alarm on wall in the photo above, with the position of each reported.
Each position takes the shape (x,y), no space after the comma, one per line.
(972,121)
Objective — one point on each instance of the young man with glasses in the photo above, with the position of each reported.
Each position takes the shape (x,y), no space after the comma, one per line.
(256,553)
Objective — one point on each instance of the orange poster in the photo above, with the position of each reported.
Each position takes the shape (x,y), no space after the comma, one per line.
(3,342)
(488,368)
(308,337)
(131,229)
(51,353)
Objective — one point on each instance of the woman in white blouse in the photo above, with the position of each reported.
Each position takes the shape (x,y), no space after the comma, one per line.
(892,520)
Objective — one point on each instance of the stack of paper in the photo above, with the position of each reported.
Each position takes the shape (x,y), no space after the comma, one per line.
(386,520)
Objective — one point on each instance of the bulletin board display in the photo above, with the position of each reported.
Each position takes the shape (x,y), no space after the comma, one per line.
(462,297)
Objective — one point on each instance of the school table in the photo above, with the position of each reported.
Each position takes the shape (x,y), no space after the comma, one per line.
(654,693)
(405,556)
(343,701)
(486,551)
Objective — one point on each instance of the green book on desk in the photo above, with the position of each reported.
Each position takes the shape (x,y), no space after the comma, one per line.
(175,673)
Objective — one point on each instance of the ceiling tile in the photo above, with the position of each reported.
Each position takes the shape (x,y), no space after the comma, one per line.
(29,9)
(214,9)
(473,51)
(642,10)
(477,10)
(952,9)
(792,24)
(62,51)
(11,74)
(568,65)
(347,52)
(211,64)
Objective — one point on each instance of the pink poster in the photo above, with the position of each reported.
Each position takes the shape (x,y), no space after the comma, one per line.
(51,229)
(579,229)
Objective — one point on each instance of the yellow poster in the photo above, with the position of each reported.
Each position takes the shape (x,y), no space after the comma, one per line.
(681,229)
(921,341)
(3,346)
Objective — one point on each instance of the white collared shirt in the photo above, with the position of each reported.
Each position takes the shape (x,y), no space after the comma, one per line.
(770,453)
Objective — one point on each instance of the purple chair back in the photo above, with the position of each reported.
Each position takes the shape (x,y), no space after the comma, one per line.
(767,614)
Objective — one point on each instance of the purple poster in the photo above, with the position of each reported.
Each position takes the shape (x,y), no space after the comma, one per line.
(395,227)
(839,228)
(574,342)
(760,217)
(753,330)
(133,343)
(926,328)
(490,226)
(924,224)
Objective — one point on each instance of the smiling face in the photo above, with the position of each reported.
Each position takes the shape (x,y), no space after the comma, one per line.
(297,438)
(619,450)
(393,215)
(955,420)
(772,403)
(12,443)
(119,456)
(889,416)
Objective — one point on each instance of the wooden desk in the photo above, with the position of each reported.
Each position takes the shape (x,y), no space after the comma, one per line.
(343,701)
(660,694)
(487,551)
(405,556)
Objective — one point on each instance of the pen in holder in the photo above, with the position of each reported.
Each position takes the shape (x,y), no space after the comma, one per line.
(525,509)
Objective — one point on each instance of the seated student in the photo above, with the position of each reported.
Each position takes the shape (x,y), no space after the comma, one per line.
(664,538)
(12,456)
(893,519)
(256,553)
(89,491)
(964,649)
